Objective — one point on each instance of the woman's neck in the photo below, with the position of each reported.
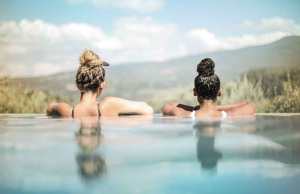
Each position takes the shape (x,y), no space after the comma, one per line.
(208,105)
(88,97)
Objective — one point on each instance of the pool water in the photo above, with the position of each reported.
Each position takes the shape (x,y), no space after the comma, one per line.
(143,155)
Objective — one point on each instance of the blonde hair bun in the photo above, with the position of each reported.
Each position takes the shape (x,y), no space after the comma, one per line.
(89,59)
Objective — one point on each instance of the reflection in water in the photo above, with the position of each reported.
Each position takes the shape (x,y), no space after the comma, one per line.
(207,155)
(261,139)
(284,130)
(259,156)
(90,162)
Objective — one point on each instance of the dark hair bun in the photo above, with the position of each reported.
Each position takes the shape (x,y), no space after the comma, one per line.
(206,67)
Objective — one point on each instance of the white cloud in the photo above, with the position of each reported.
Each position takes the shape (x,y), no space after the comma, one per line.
(35,47)
(200,39)
(252,40)
(269,30)
(145,40)
(136,5)
(274,24)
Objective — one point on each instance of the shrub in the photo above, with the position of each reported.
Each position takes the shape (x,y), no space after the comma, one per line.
(289,101)
(17,99)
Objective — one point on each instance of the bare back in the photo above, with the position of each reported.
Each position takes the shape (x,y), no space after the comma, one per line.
(86,110)
(109,106)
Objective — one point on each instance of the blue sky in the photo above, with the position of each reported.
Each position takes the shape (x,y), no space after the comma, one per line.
(223,16)
(135,30)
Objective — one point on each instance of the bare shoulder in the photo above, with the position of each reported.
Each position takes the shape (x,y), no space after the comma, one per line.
(109,99)
(59,109)
(109,102)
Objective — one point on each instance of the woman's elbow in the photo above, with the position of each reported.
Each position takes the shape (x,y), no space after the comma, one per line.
(51,108)
(248,109)
(147,110)
(251,108)
(58,110)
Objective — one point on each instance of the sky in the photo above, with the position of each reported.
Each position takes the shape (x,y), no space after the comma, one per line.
(44,37)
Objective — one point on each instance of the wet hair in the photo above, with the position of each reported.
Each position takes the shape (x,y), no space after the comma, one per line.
(207,83)
(90,73)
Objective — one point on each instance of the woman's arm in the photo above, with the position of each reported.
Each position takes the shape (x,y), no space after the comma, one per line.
(232,106)
(113,106)
(248,109)
(237,109)
(59,109)
(175,109)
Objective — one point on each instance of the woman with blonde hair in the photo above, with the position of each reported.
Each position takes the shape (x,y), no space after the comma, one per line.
(90,80)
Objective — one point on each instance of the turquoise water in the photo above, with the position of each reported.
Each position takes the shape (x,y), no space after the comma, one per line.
(142,155)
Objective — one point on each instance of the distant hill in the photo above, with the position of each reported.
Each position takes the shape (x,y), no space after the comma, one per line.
(143,80)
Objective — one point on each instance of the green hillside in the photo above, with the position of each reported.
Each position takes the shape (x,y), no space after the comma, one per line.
(14,98)
(157,83)
(140,78)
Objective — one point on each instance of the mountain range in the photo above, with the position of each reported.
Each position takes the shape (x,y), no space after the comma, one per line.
(142,80)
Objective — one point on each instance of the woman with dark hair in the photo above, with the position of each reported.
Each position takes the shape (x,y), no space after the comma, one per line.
(90,80)
(207,89)
(207,155)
